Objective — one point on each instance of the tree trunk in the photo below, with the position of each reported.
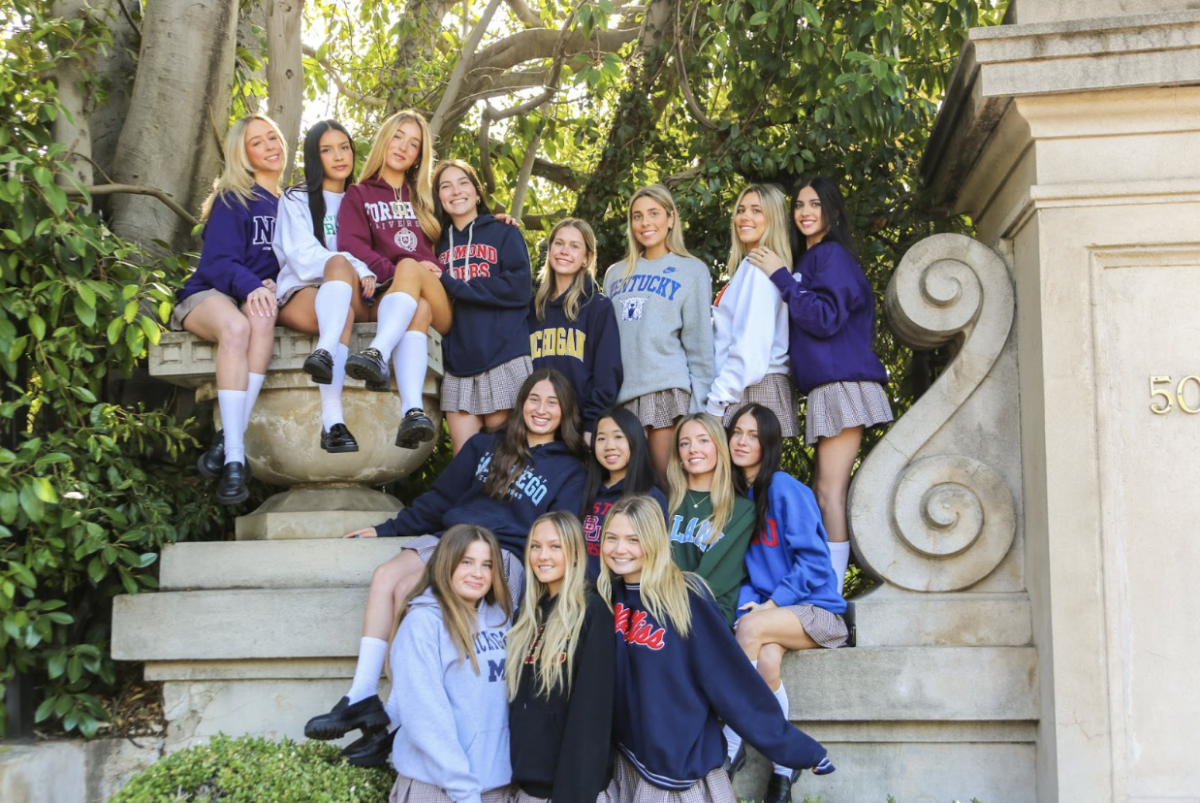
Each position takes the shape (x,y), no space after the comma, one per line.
(285,73)
(115,69)
(74,94)
(177,115)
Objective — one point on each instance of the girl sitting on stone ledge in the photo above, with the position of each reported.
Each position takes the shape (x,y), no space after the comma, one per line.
(502,480)
(230,298)
(317,282)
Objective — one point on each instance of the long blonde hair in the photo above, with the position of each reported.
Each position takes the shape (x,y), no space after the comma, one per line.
(722,493)
(460,617)
(560,635)
(778,225)
(420,186)
(237,176)
(546,276)
(664,588)
(661,196)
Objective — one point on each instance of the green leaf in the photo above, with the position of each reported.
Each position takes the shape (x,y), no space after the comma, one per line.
(114,330)
(37,326)
(86,313)
(759,18)
(44,490)
(45,709)
(31,504)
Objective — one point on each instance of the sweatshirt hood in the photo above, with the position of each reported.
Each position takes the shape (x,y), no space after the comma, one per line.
(480,223)
(589,288)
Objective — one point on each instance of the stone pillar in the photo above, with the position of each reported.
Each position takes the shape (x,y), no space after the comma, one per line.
(1072,144)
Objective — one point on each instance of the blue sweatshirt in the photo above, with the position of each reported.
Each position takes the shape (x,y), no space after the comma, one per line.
(587,350)
(489,280)
(789,560)
(237,254)
(552,481)
(453,721)
(673,692)
(831,317)
(593,520)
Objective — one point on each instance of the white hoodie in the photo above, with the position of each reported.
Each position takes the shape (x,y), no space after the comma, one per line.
(453,722)
(750,336)
(301,256)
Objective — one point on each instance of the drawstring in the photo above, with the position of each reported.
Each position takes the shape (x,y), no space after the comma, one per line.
(467,258)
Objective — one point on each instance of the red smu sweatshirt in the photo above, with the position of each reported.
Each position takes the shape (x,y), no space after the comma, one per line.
(379,230)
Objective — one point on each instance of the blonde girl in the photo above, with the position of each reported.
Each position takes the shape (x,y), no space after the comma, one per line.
(388,222)
(230,298)
(679,673)
(571,323)
(662,296)
(750,322)
(560,673)
(710,524)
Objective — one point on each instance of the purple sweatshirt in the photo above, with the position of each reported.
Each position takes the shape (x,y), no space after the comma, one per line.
(237,255)
(378,229)
(831,318)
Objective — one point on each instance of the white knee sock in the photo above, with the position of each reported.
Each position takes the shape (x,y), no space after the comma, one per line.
(781,696)
(333,305)
(395,314)
(254,384)
(839,554)
(331,394)
(410,361)
(233,422)
(732,740)
(371,654)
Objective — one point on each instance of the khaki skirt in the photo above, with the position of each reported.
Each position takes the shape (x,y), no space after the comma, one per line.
(185,307)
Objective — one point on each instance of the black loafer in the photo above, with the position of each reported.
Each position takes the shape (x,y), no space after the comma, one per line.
(369,366)
(319,365)
(733,765)
(779,788)
(415,429)
(370,749)
(366,714)
(212,462)
(231,488)
(338,440)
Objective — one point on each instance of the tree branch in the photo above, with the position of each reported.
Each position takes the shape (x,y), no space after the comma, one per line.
(518,199)
(136,189)
(525,14)
(460,70)
(673,181)
(369,100)
(539,43)
(485,152)
(561,175)
(684,84)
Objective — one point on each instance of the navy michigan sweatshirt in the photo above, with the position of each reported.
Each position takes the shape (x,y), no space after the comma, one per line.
(553,480)
(587,350)
(487,275)
(673,692)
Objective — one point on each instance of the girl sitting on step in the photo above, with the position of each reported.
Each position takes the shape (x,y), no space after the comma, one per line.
(501,480)
(230,298)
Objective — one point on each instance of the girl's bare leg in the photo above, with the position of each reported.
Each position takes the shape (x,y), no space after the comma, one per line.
(389,583)
(462,426)
(662,442)
(835,460)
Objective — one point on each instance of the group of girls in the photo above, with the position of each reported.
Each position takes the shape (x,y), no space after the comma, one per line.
(607,693)
(408,246)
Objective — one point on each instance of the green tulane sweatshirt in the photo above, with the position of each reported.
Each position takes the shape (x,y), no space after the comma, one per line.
(720,559)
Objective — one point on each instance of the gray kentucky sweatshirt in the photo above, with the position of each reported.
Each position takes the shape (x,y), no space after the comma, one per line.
(664,316)
(453,722)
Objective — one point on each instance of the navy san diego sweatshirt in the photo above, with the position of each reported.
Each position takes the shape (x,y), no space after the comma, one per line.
(236,256)
(597,514)
(831,319)
(587,350)
(553,480)
(487,276)
(672,693)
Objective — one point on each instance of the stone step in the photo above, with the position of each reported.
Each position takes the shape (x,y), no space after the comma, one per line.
(309,563)
(859,684)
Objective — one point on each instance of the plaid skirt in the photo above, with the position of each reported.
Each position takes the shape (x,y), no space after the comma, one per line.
(406,790)
(607,795)
(775,392)
(633,788)
(841,405)
(826,628)
(286,297)
(514,567)
(488,392)
(659,409)
(184,308)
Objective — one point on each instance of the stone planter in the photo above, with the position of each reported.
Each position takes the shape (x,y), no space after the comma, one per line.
(328,494)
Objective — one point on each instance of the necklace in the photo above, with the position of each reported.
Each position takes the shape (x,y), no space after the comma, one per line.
(691,499)
(398,204)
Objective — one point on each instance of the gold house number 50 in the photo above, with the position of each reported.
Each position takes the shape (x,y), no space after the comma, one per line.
(1161,396)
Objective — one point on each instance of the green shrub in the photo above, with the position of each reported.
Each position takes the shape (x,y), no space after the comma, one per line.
(253,770)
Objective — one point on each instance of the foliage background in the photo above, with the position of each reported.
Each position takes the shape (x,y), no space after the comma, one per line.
(568,107)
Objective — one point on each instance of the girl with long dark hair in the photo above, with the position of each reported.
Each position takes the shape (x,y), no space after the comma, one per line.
(831,313)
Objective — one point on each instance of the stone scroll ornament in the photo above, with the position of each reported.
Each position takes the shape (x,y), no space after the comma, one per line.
(938,522)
